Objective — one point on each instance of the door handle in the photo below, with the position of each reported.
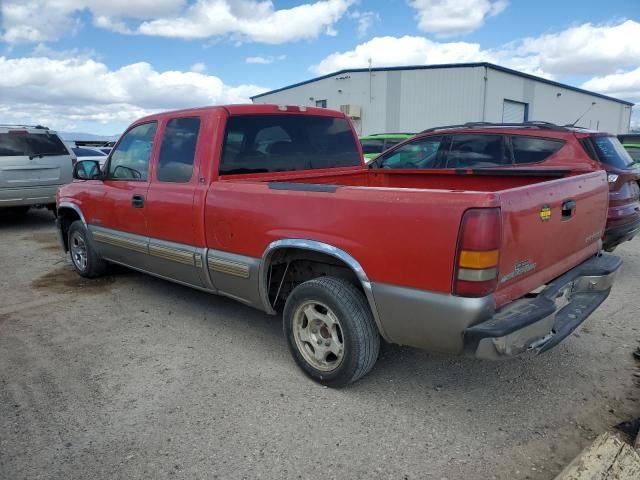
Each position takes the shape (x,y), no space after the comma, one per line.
(568,208)
(137,201)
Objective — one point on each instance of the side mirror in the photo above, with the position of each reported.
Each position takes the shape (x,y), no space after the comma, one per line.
(87,170)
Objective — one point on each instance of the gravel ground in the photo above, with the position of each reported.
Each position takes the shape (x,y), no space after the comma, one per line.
(133,377)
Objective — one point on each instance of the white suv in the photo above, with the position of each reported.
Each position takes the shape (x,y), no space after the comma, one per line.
(33,164)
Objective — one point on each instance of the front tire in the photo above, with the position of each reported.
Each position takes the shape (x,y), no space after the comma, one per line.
(84,258)
(330,331)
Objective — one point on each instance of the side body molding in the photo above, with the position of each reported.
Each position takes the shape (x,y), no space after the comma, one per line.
(320,247)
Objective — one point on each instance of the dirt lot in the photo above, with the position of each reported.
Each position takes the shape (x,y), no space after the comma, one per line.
(134,377)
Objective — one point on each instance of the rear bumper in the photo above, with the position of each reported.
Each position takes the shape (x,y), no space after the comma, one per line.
(15,197)
(538,324)
(615,235)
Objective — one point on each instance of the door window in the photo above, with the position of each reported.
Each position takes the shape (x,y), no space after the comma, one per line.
(422,153)
(475,151)
(130,158)
(178,150)
(533,150)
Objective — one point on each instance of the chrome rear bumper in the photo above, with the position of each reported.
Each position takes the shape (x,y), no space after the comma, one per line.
(537,324)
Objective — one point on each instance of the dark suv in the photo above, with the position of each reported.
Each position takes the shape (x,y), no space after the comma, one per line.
(515,149)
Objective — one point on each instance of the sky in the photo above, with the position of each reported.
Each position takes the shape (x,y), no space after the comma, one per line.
(96,65)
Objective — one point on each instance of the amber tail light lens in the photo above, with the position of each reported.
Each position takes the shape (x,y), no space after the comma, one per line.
(478,254)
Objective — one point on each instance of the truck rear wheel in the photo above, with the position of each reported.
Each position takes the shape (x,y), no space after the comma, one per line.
(330,331)
(83,256)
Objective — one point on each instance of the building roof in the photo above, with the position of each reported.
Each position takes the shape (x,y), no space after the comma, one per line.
(447,65)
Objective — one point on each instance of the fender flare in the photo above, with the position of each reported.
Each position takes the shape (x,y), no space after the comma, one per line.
(320,247)
(73,207)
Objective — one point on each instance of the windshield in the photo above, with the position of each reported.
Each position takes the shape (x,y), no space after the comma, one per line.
(22,143)
(87,152)
(611,152)
(281,143)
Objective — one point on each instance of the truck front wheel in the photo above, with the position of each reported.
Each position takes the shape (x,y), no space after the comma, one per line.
(330,331)
(83,256)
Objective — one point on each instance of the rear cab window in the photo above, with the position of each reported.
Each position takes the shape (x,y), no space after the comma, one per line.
(282,143)
(24,143)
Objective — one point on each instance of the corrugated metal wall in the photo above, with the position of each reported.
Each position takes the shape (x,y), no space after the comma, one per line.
(413,100)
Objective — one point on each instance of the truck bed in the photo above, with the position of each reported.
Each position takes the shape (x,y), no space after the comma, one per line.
(415,217)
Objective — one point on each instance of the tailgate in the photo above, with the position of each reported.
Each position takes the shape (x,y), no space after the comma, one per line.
(549,228)
(19,171)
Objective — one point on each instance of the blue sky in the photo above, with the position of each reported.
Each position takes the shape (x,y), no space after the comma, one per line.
(95,65)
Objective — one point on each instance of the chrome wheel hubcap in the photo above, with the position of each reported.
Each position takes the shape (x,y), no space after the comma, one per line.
(318,336)
(78,251)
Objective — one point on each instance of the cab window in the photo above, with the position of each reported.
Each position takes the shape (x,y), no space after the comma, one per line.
(130,158)
(422,153)
(178,150)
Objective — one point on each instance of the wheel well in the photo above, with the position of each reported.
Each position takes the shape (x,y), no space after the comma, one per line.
(66,216)
(289,267)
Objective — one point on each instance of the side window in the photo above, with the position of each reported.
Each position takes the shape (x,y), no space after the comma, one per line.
(130,159)
(422,153)
(178,150)
(473,151)
(533,150)
(372,146)
(391,142)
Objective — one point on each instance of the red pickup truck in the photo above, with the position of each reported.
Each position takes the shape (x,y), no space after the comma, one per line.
(274,207)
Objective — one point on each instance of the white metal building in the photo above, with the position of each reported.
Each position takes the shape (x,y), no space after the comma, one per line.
(411,99)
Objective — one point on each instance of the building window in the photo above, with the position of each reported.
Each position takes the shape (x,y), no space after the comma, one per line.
(321,103)
(515,112)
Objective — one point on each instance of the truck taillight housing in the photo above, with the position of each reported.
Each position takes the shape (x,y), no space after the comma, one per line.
(478,254)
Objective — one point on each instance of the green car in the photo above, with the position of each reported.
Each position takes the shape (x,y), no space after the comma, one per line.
(634,151)
(374,145)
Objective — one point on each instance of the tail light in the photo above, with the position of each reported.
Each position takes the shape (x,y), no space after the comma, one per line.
(476,272)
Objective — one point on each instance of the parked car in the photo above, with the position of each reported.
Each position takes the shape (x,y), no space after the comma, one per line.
(633,149)
(90,153)
(274,207)
(33,164)
(374,145)
(532,146)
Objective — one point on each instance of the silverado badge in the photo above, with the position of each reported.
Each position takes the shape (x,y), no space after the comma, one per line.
(545,212)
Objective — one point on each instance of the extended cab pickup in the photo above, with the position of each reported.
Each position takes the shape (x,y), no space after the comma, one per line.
(274,207)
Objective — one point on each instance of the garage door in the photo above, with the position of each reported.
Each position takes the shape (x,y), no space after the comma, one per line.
(514,112)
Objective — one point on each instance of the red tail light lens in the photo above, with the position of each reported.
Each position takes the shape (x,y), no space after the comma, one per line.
(476,272)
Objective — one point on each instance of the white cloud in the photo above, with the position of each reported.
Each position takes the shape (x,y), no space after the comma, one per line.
(198,67)
(580,50)
(622,85)
(33,21)
(244,20)
(407,50)
(585,49)
(250,20)
(264,60)
(455,17)
(63,91)
(365,20)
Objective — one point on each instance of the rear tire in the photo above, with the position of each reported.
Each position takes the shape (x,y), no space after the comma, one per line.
(330,331)
(83,255)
